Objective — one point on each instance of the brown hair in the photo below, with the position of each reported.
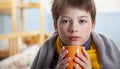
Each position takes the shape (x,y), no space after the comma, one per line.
(59,5)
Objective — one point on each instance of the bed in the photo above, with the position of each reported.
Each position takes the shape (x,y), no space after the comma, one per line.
(14,41)
(14,62)
(26,50)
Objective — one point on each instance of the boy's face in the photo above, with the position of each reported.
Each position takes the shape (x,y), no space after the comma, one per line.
(74,26)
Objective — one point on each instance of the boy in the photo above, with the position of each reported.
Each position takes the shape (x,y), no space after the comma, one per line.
(74,22)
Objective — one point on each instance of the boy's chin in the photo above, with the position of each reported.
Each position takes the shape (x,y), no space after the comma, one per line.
(75,44)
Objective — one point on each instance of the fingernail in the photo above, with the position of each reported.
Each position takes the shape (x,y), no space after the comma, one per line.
(84,48)
(67,51)
(76,59)
(76,66)
(78,54)
(63,48)
(67,64)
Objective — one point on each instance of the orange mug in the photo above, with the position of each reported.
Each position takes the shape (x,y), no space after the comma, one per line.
(72,50)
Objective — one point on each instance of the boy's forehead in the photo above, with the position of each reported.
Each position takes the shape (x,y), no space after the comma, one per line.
(73,10)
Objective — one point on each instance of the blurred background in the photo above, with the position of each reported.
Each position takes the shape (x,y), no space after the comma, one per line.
(26,24)
(108,18)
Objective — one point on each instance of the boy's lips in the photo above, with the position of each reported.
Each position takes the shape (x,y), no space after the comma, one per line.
(74,38)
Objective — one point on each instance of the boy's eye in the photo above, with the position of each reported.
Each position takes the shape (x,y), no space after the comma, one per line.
(65,21)
(82,21)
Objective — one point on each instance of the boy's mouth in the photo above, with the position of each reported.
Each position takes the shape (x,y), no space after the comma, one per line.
(74,38)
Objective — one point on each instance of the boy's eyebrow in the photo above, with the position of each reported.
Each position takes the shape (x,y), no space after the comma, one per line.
(65,16)
(83,16)
(88,17)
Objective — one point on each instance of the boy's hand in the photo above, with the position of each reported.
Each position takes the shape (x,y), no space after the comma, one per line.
(83,61)
(62,62)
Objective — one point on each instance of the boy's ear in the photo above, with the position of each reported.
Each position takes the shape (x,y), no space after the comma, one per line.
(93,25)
(55,26)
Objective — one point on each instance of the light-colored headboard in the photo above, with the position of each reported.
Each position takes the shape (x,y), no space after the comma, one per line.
(5,7)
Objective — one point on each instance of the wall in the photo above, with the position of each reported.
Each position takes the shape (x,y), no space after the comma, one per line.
(108,23)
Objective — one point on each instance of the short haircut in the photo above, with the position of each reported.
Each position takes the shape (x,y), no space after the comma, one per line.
(59,5)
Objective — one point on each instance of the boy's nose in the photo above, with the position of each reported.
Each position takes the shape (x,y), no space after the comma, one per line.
(74,28)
